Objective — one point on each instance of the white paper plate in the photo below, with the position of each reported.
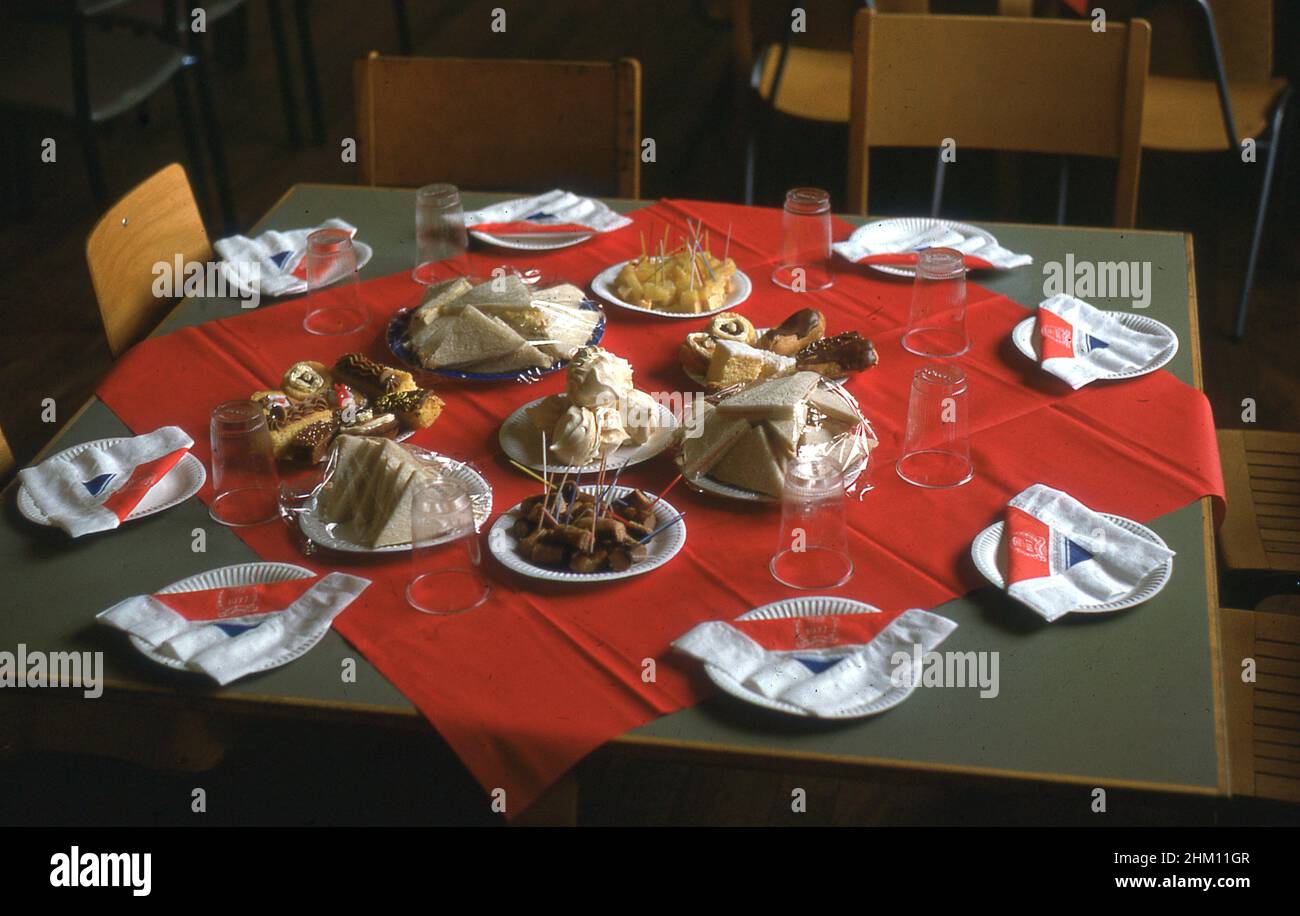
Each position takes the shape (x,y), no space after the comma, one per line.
(505,546)
(810,606)
(1026,341)
(522,441)
(229,577)
(989,552)
(886,227)
(603,286)
(178,485)
(341,537)
(533,241)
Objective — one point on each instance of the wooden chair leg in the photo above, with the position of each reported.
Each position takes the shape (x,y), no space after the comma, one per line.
(283,71)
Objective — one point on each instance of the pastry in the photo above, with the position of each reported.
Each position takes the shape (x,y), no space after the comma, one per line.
(305,380)
(837,356)
(696,354)
(415,409)
(286,422)
(731,326)
(376,424)
(796,332)
(735,362)
(371,378)
(309,444)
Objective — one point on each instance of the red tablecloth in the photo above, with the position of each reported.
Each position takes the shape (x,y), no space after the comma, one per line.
(525,686)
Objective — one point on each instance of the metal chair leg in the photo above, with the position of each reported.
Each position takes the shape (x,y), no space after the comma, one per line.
(403,21)
(283,71)
(1261,213)
(189,130)
(94,170)
(310,75)
(1063,191)
(936,196)
(216,147)
(751,155)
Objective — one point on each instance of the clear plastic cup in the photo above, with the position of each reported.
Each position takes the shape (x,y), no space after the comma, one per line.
(439,229)
(245,486)
(813,548)
(805,262)
(936,325)
(331,259)
(936,448)
(446,557)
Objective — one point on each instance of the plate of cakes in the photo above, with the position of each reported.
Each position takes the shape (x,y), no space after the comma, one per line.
(587,534)
(600,419)
(356,396)
(749,436)
(732,351)
(687,282)
(495,330)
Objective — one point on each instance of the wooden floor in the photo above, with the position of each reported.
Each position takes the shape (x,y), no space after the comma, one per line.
(52,345)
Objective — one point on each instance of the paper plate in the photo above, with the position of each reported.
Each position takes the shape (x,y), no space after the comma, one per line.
(914,224)
(533,241)
(177,485)
(396,333)
(1026,341)
(665,546)
(810,606)
(522,441)
(989,552)
(603,286)
(229,577)
(340,537)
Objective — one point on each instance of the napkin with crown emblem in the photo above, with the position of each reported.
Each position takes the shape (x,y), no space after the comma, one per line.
(555,212)
(1080,344)
(1061,555)
(271,264)
(226,633)
(818,664)
(896,244)
(99,488)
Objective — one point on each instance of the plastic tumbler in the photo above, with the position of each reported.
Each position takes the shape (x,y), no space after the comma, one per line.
(244,482)
(805,262)
(446,557)
(331,259)
(813,548)
(936,325)
(439,229)
(936,447)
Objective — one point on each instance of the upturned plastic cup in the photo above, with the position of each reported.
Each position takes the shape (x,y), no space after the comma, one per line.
(446,557)
(812,551)
(244,481)
(331,260)
(439,229)
(936,325)
(936,448)
(805,262)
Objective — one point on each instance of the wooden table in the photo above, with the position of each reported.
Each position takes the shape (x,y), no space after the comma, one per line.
(1130,702)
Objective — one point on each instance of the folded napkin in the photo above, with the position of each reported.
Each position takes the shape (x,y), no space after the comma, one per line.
(271,264)
(226,633)
(1062,556)
(553,212)
(99,488)
(819,664)
(897,245)
(1080,344)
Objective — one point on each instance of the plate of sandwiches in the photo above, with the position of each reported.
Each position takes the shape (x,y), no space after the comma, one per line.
(364,504)
(495,330)
(749,437)
(588,534)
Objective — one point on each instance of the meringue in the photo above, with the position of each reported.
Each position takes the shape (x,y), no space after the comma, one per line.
(576,437)
(598,378)
(641,416)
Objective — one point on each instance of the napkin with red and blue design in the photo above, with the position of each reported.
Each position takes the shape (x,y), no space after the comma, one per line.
(553,213)
(1080,344)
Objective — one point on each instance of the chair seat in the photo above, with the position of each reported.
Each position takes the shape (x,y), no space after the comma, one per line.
(123,70)
(1183,115)
(815,84)
(1261,476)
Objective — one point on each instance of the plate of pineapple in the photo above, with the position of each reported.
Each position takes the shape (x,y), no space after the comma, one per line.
(688,281)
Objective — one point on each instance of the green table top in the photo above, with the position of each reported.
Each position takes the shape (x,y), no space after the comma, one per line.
(1125,700)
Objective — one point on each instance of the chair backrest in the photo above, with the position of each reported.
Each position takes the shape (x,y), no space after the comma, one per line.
(154,223)
(1244,27)
(1261,476)
(517,125)
(6,457)
(999,83)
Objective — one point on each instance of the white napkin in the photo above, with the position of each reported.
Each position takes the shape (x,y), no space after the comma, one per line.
(230,649)
(270,264)
(1081,344)
(1062,555)
(96,490)
(894,238)
(859,674)
(552,208)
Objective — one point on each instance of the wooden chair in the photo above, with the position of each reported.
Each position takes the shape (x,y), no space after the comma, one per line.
(1032,85)
(500,124)
(156,221)
(1261,476)
(1263,716)
(6,458)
